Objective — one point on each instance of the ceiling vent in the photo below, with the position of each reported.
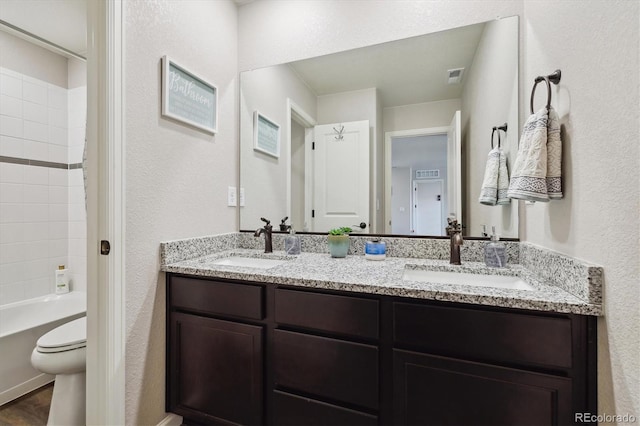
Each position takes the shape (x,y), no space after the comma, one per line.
(455,75)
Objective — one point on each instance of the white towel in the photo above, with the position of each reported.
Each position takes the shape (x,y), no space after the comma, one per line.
(537,174)
(496,179)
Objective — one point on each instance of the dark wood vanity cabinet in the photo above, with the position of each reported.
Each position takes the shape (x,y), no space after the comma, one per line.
(248,353)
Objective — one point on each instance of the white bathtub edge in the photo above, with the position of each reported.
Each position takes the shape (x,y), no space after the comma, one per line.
(25,387)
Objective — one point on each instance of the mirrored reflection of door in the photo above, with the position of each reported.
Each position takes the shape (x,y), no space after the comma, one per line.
(427,207)
(340,176)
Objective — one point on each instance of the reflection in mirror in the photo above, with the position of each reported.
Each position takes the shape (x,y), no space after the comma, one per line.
(393,136)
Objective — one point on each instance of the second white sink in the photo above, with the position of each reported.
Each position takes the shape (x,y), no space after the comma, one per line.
(248,262)
(462,278)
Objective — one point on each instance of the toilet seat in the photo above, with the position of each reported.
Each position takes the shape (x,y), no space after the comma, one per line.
(67,337)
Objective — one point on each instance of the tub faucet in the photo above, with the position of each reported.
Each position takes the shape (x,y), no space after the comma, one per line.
(454,231)
(266,229)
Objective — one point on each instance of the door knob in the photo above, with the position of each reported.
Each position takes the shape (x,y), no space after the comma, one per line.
(361,226)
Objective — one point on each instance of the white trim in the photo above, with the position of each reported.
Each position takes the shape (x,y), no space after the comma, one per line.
(105,214)
(388,136)
(171,420)
(295,112)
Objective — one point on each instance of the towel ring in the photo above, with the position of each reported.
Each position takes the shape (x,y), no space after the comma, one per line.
(499,142)
(551,78)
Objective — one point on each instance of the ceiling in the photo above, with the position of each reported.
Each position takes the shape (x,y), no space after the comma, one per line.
(62,22)
(405,72)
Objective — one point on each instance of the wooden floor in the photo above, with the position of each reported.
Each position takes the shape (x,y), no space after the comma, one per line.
(31,409)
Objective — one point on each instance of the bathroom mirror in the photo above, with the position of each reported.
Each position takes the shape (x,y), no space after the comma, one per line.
(386,139)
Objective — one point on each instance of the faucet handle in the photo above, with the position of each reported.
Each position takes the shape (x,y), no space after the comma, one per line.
(267,221)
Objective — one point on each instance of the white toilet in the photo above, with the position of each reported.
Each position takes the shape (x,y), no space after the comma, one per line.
(63,352)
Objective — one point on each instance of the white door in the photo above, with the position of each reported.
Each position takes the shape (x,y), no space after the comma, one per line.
(427,207)
(341,176)
(401,201)
(454,172)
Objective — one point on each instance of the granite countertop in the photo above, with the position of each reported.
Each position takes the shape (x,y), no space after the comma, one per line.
(357,274)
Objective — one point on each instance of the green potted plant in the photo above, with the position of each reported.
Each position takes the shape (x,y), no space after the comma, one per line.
(338,240)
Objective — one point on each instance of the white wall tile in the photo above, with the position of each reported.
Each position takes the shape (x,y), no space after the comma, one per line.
(35,93)
(11,233)
(58,230)
(10,106)
(11,147)
(77,247)
(36,231)
(12,173)
(35,112)
(36,288)
(58,117)
(35,131)
(58,153)
(76,136)
(37,249)
(12,252)
(77,229)
(57,97)
(13,292)
(36,194)
(77,212)
(76,195)
(37,269)
(36,150)
(58,177)
(76,154)
(11,86)
(11,273)
(11,126)
(58,248)
(32,80)
(35,175)
(35,213)
(11,193)
(58,194)
(11,213)
(58,136)
(58,212)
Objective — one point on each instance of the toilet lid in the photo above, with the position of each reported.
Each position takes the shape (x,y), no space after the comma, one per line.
(68,336)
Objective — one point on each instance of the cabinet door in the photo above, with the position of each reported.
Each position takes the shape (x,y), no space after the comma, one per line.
(432,390)
(215,370)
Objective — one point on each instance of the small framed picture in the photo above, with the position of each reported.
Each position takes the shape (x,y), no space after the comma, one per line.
(188,98)
(266,135)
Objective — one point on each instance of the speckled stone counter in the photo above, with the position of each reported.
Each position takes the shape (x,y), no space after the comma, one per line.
(571,287)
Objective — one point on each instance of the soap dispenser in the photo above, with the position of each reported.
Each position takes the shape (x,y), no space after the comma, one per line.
(292,242)
(495,252)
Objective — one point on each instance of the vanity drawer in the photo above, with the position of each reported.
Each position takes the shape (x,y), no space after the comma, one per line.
(217,297)
(540,340)
(293,410)
(329,368)
(350,316)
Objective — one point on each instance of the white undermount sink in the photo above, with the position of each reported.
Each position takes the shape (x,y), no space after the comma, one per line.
(463,278)
(248,262)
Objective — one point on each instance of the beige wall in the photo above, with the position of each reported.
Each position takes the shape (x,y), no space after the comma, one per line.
(26,58)
(264,177)
(599,219)
(176,176)
(491,81)
(420,116)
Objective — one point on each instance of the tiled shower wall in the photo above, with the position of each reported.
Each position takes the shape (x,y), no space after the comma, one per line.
(42,213)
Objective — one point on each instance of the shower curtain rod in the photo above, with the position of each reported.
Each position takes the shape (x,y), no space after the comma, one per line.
(26,34)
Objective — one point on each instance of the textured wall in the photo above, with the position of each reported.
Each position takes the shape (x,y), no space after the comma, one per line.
(598,220)
(176,176)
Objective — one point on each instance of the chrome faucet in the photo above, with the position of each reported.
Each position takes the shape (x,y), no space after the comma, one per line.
(266,229)
(454,231)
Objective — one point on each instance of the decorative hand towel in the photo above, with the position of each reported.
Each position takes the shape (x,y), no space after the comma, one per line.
(538,162)
(496,179)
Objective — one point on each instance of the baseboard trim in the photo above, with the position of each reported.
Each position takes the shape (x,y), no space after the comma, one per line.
(26,387)
(171,420)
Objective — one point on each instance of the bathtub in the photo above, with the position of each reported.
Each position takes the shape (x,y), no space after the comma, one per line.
(21,325)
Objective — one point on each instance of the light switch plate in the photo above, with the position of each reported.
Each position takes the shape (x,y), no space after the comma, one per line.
(241,197)
(232,197)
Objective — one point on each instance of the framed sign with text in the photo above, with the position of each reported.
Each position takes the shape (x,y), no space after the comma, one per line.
(188,98)
(266,135)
